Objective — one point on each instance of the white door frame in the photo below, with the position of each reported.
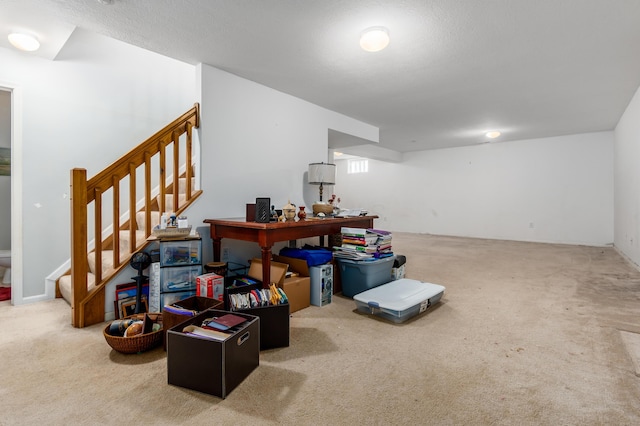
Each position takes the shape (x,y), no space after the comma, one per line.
(16,191)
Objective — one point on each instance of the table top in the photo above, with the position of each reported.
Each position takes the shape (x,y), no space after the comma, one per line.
(242,223)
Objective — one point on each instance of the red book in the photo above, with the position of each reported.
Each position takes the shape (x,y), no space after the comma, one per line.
(225,322)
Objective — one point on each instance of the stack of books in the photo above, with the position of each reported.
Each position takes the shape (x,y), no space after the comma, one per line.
(363,244)
(383,243)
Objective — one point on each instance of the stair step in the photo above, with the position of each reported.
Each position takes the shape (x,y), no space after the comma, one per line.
(169,201)
(107,261)
(141,219)
(124,240)
(182,185)
(64,284)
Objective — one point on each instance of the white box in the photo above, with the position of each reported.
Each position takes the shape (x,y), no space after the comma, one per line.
(154,288)
(210,285)
(321,284)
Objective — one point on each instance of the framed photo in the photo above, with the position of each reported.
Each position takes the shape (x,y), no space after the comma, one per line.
(127,307)
(5,161)
(124,291)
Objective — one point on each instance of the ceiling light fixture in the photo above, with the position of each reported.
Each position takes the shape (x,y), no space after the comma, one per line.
(374,39)
(25,42)
(493,134)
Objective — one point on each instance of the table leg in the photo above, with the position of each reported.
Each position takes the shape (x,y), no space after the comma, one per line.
(266,266)
(216,249)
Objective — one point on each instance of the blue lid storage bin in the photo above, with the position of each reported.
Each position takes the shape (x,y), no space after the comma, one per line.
(361,275)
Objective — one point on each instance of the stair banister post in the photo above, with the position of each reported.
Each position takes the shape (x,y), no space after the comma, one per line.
(78,242)
(175,138)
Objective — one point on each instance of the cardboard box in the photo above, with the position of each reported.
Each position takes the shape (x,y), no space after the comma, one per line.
(192,306)
(211,366)
(210,285)
(278,271)
(297,288)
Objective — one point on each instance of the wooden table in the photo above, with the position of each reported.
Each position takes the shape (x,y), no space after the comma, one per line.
(267,234)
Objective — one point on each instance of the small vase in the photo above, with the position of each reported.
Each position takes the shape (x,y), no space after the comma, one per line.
(302,215)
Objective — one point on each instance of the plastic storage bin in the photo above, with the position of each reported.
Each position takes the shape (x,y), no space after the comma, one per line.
(399,300)
(175,296)
(180,253)
(357,276)
(180,278)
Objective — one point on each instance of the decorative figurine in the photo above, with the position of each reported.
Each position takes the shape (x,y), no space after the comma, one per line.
(302,215)
(289,211)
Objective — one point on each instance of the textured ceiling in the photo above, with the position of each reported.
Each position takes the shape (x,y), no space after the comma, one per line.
(453,69)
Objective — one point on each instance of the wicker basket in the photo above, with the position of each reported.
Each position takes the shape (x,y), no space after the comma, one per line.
(139,343)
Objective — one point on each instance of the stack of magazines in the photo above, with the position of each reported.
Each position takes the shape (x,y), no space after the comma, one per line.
(363,244)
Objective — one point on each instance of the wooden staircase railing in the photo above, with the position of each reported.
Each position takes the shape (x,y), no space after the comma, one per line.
(88,307)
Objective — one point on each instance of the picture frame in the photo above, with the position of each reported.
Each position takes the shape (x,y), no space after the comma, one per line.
(5,161)
(127,306)
(127,292)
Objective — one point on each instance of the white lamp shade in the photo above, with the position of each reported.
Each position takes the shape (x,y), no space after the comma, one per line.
(322,173)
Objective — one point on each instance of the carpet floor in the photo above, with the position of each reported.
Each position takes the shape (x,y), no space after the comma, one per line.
(526,334)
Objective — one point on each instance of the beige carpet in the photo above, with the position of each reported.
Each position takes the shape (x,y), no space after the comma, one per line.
(527,334)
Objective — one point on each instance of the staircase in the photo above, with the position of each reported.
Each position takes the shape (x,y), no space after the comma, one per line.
(101,206)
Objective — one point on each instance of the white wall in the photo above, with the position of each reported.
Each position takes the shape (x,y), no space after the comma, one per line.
(627,181)
(258,142)
(557,189)
(95,102)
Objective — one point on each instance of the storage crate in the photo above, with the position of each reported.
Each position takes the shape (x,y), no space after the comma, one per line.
(185,309)
(181,253)
(274,319)
(175,296)
(399,300)
(211,366)
(357,276)
(179,278)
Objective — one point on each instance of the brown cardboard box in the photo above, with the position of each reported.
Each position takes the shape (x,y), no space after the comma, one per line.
(297,288)
(278,271)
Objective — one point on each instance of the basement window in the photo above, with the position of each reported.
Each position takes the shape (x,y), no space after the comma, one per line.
(358,166)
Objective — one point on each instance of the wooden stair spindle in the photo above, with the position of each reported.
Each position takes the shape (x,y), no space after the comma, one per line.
(85,291)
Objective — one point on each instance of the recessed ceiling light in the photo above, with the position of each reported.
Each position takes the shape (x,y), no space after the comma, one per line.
(374,39)
(24,42)
(493,134)
(337,153)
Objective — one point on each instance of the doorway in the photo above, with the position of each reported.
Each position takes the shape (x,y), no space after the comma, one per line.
(11,186)
(5,195)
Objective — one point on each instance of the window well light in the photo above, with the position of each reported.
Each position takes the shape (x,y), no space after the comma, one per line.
(24,42)
(493,134)
(374,39)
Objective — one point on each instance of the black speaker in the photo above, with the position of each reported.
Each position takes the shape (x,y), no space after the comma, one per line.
(263,209)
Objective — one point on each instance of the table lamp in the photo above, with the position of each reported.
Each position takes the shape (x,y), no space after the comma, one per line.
(321,174)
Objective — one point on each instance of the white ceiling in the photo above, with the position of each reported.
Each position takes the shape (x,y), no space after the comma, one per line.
(454,68)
